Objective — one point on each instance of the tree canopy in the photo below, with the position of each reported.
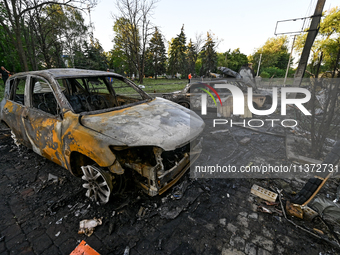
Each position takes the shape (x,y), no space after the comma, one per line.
(326,46)
(177,57)
(37,30)
(209,56)
(156,55)
(232,59)
(275,55)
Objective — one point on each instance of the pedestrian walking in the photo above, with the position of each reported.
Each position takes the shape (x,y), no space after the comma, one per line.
(189,77)
(4,74)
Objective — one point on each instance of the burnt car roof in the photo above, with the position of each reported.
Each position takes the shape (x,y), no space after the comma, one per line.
(69,72)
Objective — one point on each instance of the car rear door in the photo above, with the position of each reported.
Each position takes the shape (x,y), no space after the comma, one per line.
(14,107)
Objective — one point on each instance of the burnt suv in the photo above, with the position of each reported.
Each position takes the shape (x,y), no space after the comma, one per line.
(99,125)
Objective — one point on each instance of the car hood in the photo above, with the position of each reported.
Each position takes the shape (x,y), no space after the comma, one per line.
(159,123)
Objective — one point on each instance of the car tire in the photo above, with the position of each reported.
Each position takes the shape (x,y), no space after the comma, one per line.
(184,104)
(98,183)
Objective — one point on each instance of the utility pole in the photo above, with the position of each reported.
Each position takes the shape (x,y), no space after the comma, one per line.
(313,31)
(290,57)
(258,67)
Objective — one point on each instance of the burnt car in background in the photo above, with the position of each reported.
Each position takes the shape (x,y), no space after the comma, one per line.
(189,96)
(99,125)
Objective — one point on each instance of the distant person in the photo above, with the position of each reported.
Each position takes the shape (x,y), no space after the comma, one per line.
(4,74)
(189,77)
(109,79)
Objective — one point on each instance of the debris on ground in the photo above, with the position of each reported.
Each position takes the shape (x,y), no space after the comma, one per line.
(220,131)
(52,178)
(294,210)
(263,193)
(179,190)
(327,209)
(127,250)
(245,141)
(141,212)
(87,226)
(84,249)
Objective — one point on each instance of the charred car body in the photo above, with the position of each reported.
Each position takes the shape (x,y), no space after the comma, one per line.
(189,96)
(99,125)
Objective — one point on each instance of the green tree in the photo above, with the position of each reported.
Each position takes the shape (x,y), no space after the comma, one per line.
(8,56)
(156,55)
(16,19)
(123,48)
(134,16)
(233,60)
(55,29)
(191,56)
(90,56)
(118,61)
(274,53)
(177,56)
(325,57)
(208,56)
(326,47)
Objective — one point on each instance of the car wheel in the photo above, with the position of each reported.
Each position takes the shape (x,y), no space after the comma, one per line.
(185,104)
(98,183)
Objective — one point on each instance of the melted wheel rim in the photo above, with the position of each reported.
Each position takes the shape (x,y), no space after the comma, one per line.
(98,184)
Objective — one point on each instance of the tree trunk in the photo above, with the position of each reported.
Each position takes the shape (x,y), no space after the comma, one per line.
(21,51)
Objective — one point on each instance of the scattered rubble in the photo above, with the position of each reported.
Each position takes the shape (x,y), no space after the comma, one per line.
(197,216)
(87,226)
(245,141)
(263,193)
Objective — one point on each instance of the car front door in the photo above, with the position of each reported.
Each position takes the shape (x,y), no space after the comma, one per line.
(42,120)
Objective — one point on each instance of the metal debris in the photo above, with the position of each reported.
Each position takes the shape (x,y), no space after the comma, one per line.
(52,178)
(127,250)
(245,141)
(58,222)
(294,210)
(141,212)
(336,243)
(220,131)
(264,209)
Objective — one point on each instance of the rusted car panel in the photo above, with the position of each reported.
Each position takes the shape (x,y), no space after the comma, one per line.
(98,130)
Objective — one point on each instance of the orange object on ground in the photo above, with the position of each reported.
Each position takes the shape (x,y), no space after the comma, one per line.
(84,249)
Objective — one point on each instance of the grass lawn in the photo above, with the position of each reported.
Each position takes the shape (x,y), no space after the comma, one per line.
(162,85)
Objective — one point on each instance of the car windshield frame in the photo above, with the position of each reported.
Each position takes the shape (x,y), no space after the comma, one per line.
(67,87)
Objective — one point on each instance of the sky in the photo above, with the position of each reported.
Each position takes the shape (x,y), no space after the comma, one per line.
(244,24)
